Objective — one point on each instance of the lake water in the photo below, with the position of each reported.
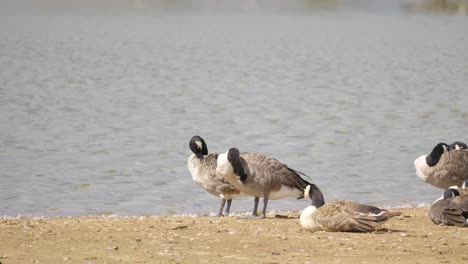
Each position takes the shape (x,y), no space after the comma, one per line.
(97,105)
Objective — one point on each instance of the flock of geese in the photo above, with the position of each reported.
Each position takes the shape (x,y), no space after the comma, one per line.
(233,174)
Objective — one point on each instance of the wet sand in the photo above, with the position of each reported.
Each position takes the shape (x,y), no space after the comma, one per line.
(410,238)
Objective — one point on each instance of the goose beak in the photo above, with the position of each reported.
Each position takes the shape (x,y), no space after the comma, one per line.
(301,196)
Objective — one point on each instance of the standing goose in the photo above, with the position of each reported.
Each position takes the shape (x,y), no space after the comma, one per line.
(260,176)
(202,166)
(450,209)
(443,168)
(341,216)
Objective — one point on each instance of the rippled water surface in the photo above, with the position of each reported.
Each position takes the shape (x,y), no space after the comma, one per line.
(97,108)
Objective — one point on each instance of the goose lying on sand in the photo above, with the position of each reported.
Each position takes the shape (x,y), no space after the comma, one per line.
(341,215)
(450,209)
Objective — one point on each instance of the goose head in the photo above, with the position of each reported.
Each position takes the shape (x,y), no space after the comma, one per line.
(457,145)
(436,153)
(233,156)
(313,192)
(198,146)
(450,194)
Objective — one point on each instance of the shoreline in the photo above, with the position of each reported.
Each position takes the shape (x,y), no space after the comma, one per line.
(410,238)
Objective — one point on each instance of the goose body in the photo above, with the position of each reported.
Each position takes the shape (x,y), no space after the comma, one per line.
(202,167)
(450,209)
(443,168)
(341,215)
(261,176)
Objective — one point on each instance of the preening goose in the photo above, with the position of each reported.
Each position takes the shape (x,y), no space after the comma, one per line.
(450,209)
(202,167)
(443,168)
(260,176)
(341,216)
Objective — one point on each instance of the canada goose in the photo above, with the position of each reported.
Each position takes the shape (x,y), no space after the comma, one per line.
(202,166)
(443,168)
(341,215)
(450,209)
(457,145)
(260,176)
(463,190)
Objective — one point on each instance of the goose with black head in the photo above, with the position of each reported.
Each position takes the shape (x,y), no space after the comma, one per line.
(443,168)
(341,215)
(202,167)
(261,176)
(450,209)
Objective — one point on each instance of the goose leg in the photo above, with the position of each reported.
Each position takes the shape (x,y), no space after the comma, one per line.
(223,201)
(265,203)
(255,206)
(228,207)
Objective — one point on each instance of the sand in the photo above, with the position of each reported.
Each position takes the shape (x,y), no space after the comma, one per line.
(410,238)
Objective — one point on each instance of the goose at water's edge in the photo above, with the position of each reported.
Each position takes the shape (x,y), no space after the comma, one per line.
(451,208)
(260,176)
(341,216)
(202,167)
(443,168)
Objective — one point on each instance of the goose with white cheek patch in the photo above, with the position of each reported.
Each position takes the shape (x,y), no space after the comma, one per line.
(463,190)
(260,176)
(443,168)
(451,209)
(341,215)
(457,145)
(202,167)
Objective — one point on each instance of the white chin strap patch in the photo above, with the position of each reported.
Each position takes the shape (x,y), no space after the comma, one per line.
(306,192)
(199,144)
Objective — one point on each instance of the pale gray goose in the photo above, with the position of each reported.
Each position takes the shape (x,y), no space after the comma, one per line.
(261,176)
(443,168)
(451,209)
(341,215)
(202,167)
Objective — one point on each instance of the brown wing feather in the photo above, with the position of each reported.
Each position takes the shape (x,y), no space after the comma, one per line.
(452,168)
(447,212)
(271,173)
(351,216)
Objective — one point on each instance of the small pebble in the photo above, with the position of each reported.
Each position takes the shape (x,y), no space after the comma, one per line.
(112,248)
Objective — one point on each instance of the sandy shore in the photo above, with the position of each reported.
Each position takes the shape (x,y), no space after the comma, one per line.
(411,238)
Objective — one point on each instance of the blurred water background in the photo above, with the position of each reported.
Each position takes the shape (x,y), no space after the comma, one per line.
(98,99)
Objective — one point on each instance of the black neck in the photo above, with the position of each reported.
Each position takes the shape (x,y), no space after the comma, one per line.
(316,196)
(433,158)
